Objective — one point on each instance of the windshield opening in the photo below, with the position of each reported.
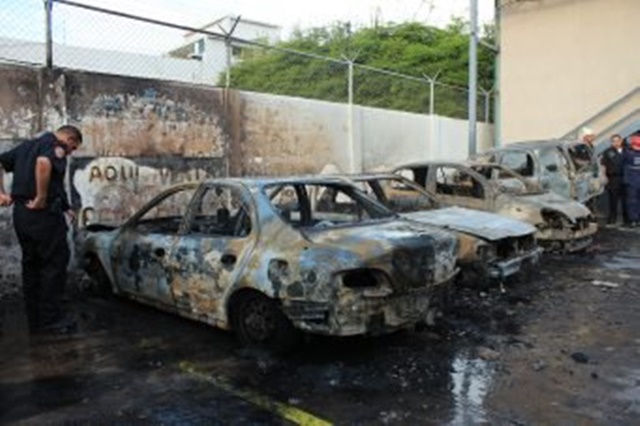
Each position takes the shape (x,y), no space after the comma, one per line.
(398,194)
(323,205)
(507,181)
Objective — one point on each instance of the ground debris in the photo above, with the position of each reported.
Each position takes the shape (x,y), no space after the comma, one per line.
(539,365)
(487,354)
(580,357)
(606,284)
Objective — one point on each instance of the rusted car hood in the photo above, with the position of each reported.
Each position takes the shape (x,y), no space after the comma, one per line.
(384,236)
(488,226)
(550,200)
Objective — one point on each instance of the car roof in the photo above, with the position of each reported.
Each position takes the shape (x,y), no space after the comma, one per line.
(373,175)
(465,163)
(548,143)
(260,181)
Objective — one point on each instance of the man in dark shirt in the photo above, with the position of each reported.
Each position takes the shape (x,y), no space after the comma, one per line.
(612,162)
(40,204)
(631,177)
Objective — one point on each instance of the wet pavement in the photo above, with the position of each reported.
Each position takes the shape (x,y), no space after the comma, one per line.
(500,357)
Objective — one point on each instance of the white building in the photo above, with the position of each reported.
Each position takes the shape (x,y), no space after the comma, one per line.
(201,59)
(212,50)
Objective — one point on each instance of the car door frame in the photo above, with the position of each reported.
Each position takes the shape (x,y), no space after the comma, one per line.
(217,272)
(126,251)
(488,202)
(583,176)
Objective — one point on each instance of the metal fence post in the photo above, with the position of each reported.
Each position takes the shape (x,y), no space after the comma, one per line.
(350,82)
(350,118)
(432,91)
(473,76)
(227,74)
(487,103)
(48,5)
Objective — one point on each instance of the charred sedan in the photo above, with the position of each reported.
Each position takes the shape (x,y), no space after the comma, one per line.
(563,225)
(491,246)
(260,257)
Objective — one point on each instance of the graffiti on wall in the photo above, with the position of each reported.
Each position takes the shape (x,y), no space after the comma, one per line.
(150,123)
(17,122)
(109,190)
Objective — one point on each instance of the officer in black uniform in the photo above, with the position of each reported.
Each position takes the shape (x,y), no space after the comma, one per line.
(40,204)
(612,162)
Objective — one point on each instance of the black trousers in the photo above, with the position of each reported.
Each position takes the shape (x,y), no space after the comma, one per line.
(45,254)
(617,196)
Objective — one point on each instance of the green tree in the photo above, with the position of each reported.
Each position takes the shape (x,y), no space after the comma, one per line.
(411,49)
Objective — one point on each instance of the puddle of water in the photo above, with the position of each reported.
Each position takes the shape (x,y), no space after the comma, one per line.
(471,380)
(631,393)
(621,262)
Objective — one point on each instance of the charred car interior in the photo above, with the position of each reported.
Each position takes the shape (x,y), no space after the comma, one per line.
(563,225)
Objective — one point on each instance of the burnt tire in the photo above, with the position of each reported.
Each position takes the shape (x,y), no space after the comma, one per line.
(258,322)
(100,284)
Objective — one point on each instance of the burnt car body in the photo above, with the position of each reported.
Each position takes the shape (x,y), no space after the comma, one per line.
(491,246)
(563,225)
(568,168)
(258,257)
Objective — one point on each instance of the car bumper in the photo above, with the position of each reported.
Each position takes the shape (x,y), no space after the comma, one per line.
(506,268)
(367,313)
(567,241)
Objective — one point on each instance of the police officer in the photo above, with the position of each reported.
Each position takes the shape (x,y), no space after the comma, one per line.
(631,176)
(612,162)
(40,204)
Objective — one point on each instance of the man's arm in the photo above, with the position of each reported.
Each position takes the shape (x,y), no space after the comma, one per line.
(43,177)
(5,199)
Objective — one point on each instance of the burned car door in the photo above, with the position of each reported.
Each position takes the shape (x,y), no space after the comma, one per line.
(456,186)
(554,171)
(585,172)
(521,162)
(140,253)
(219,236)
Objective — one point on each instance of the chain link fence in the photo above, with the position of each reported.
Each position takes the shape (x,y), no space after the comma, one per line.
(22,32)
(93,39)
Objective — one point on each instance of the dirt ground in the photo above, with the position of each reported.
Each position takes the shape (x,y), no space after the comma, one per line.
(561,348)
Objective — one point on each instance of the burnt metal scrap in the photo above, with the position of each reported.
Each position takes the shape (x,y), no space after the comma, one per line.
(268,257)
(567,167)
(490,246)
(563,225)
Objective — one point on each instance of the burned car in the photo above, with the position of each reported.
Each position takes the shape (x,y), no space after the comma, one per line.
(568,168)
(492,247)
(563,225)
(260,257)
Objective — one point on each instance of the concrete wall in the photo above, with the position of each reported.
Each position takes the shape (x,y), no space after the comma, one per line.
(391,138)
(283,135)
(141,136)
(19,118)
(563,61)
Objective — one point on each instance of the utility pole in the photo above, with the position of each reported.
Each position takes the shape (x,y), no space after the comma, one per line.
(473,75)
(48,5)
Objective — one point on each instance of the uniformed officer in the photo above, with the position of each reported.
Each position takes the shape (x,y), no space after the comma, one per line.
(612,162)
(631,176)
(40,204)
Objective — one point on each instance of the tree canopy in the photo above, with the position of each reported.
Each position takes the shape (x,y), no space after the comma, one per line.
(412,49)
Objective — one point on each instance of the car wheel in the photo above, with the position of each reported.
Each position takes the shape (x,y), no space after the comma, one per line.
(259,322)
(100,284)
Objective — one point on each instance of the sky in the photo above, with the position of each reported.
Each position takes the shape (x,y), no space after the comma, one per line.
(24,18)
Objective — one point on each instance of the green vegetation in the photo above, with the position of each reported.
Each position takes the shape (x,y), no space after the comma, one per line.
(413,49)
